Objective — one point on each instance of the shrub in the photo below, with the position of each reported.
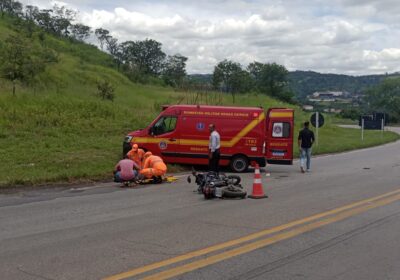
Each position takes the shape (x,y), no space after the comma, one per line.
(105,90)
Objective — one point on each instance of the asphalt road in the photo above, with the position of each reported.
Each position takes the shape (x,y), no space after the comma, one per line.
(332,223)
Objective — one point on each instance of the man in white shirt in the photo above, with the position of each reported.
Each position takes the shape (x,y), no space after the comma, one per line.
(213,149)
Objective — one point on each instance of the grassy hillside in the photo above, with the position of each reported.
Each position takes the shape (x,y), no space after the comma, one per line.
(62,131)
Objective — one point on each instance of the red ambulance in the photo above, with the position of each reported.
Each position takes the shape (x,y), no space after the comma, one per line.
(249,135)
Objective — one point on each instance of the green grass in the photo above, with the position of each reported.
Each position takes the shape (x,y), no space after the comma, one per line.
(51,137)
(60,136)
(5,28)
(333,139)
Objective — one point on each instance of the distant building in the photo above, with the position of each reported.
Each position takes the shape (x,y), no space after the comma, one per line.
(329,96)
(308,107)
(332,110)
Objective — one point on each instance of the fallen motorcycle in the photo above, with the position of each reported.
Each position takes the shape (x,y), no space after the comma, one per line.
(212,185)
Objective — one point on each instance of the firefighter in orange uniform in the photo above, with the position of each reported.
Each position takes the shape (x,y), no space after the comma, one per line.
(153,167)
(136,155)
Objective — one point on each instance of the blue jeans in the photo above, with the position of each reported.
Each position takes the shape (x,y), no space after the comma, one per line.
(305,154)
(118,179)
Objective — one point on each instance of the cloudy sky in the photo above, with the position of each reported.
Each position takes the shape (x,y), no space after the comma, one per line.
(354,37)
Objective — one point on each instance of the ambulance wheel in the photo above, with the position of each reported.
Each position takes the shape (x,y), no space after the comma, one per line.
(239,163)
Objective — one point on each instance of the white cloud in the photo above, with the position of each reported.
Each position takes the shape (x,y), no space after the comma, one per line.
(344,36)
(383,60)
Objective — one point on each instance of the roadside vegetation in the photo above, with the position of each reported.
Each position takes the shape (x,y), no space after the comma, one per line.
(75,136)
(65,106)
(333,139)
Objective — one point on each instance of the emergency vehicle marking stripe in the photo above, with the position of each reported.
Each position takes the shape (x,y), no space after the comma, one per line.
(281,114)
(189,142)
(196,142)
(143,140)
(247,129)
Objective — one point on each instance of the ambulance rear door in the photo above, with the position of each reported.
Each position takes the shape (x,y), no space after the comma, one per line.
(279,136)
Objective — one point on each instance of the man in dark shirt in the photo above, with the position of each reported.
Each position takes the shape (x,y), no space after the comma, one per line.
(305,140)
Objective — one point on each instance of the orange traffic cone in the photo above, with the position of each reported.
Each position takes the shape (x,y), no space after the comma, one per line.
(257,185)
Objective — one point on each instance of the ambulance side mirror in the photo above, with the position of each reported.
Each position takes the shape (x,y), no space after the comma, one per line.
(151,131)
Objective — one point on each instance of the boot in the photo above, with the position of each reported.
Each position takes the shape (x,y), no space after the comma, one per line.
(139,178)
(157,179)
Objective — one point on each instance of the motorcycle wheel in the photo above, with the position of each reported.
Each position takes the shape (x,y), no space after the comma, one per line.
(233,192)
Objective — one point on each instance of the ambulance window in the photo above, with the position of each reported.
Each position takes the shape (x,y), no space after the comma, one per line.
(281,130)
(164,125)
(170,124)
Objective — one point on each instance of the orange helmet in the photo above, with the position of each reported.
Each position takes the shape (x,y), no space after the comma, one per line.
(135,147)
(147,154)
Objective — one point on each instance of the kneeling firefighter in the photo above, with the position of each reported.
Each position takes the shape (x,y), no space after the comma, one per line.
(136,154)
(153,167)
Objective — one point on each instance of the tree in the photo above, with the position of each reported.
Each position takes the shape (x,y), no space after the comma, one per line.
(101,35)
(15,60)
(80,31)
(112,46)
(229,76)
(10,7)
(127,59)
(61,20)
(57,20)
(29,16)
(174,70)
(148,56)
(115,50)
(385,98)
(142,59)
(3,6)
(30,12)
(43,18)
(269,78)
(21,62)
